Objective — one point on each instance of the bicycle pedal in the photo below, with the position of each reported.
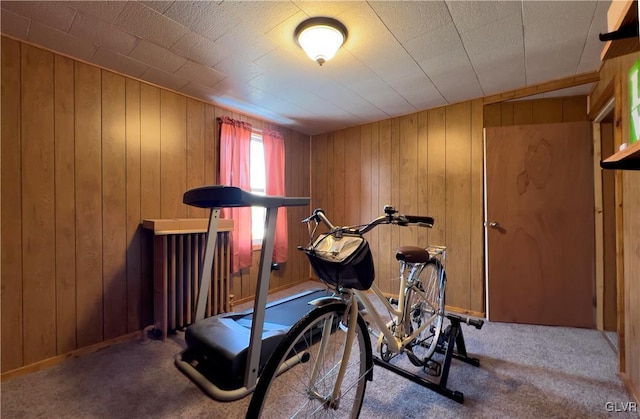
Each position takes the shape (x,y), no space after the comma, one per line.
(432,368)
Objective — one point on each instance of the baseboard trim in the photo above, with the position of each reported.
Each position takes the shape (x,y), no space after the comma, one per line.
(631,387)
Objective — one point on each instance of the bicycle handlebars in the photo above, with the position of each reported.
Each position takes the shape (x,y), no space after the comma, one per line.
(390,216)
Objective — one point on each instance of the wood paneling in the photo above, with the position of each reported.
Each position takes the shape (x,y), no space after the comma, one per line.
(114,205)
(65,206)
(458,203)
(436,174)
(422,164)
(610,292)
(383,257)
(627,185)
(38,205)
(538,111)
(195,151)
(149,184)
(133,212)
(476,263)
(88,185)
(86,155)
(12,356)
(173,176)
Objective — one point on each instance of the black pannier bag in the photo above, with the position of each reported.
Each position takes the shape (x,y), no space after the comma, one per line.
(344,261)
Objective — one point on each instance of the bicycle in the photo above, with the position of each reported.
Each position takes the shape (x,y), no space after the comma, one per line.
(322,365)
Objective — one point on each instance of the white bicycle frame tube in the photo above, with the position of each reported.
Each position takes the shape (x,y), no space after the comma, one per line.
(394,340)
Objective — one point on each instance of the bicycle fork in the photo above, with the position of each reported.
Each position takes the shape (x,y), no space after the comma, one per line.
(348,322)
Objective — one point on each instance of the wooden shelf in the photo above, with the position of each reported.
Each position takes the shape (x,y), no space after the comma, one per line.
(621,14)
(168,226)
(627,159)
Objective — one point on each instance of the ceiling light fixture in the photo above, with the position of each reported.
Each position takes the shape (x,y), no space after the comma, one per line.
(320,37)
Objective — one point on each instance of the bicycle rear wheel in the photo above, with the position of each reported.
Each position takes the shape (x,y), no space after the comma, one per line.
(425,308)
(309,359)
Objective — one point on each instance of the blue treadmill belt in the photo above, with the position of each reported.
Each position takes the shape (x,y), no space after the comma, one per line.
(287,312)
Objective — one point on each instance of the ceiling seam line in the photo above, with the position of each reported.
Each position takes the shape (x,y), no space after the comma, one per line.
(409,54)
(475,73)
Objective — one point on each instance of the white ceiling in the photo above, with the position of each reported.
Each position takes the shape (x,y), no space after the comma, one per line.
(400,56)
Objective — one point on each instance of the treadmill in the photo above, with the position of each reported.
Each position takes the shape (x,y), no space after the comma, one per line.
(225,353)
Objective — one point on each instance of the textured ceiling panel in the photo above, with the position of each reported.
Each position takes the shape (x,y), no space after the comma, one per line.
(104,10)
(196,47)
(434,43)
(156,56)
(469,15)
(399,57)
(500,70)
(503,35)
(261,16)
(150,25)
(102,33)
(14,25)
(60,41)
(418,90)
(53,14)
(162,78)
(195,89)
(247,43)
(118,62)
(200,74)
(206,18)
(407,20)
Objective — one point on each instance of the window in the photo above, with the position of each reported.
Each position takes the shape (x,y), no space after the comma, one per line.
(258,185)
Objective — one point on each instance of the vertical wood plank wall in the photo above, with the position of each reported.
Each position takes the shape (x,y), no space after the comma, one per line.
(86,155)
(628,203)
(426,163)
(540,111)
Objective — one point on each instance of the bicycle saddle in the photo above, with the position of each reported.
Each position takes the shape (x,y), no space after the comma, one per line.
(412,254)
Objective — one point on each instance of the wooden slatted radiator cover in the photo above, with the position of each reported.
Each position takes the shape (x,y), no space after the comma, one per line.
(178,247)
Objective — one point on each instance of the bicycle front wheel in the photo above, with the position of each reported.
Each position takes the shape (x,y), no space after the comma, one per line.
(299,379)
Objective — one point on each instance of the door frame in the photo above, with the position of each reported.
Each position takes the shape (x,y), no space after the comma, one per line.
(603,106)
(602,113)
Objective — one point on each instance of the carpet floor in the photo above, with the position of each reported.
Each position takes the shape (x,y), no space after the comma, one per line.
(525,372)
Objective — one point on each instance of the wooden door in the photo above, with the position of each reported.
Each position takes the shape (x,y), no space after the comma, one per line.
(540,223)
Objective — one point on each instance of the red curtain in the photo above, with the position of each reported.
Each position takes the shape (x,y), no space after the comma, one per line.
(235,142)
(274,167)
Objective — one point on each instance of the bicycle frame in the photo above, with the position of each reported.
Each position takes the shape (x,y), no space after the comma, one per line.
(396,340)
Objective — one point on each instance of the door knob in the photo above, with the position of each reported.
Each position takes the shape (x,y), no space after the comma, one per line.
(494,224)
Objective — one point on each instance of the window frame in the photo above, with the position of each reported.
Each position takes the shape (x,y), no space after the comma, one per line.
(257,212)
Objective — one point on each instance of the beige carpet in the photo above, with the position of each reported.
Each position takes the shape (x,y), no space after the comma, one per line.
(525,372)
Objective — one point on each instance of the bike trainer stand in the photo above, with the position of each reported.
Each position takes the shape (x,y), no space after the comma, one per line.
(449,340)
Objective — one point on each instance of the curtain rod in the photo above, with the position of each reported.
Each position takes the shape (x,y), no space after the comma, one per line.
(258,130)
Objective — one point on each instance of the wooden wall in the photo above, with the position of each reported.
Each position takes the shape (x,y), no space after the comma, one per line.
(86,155)
(628,231)
(426,163)
(538,111)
